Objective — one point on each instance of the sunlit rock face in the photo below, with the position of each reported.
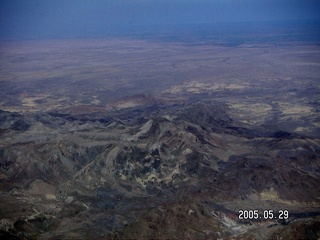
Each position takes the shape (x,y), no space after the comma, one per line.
(149,173)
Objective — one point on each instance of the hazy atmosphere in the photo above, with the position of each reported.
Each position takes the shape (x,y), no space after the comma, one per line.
(98,18)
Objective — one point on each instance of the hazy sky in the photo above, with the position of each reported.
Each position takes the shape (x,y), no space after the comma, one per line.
(52,18)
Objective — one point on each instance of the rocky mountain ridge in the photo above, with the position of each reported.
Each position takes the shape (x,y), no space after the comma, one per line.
(150,169)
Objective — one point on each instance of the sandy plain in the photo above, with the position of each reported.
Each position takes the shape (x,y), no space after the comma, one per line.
(261,82)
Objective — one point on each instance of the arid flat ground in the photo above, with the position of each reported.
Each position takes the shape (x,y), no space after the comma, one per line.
(263,83)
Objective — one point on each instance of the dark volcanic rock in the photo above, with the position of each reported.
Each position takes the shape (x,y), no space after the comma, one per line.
(12,120)
(20,125)
(283,134)
(108,198)
(209,113)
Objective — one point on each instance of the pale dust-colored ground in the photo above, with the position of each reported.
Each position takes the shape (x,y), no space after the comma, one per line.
(199,87)
(250,112)
(294,109)
(30,101)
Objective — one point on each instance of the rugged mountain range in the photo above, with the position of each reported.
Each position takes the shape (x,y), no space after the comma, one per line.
(154,170)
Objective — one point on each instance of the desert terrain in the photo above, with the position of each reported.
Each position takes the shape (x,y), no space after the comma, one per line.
(118,138)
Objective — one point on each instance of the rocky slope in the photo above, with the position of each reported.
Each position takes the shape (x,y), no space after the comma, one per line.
(156,170)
